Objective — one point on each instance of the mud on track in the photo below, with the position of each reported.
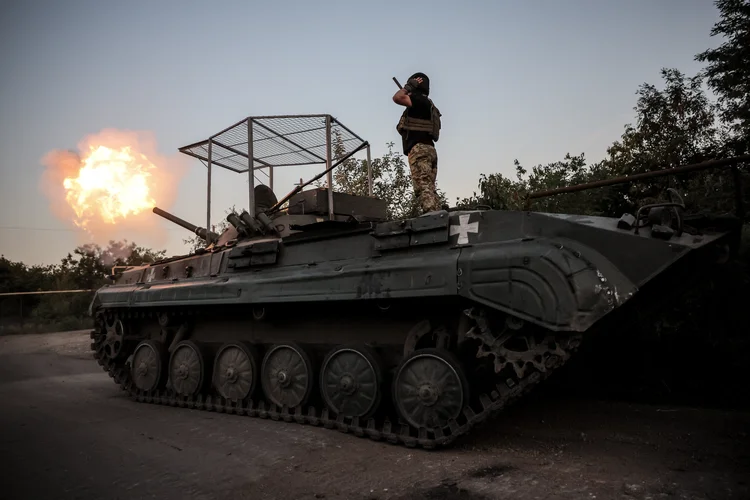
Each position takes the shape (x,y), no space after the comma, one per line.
(66,431)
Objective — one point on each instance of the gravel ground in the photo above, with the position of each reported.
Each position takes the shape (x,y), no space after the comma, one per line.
(67,432)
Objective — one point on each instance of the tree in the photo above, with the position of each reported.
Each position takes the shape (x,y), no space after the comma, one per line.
(86,268)
(497,192)
(501,193)
(391,179)
(676,125)
(90,264)
(728,69)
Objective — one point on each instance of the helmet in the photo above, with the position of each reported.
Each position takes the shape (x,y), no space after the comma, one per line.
(424,87)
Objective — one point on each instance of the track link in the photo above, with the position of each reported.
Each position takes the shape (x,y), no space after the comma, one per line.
(490,404)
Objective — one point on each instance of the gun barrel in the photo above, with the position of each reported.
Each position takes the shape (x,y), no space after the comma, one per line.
(190,227)
(202,232)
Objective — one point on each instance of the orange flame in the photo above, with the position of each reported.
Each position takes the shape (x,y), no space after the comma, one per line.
(111,184)
(108,185)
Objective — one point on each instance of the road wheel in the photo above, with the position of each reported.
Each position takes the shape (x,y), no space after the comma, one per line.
(187,368)
(147,369)
(430,388)
(350,381)
(236,370)
(287,375)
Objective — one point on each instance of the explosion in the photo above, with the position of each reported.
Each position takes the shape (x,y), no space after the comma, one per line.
(111,184)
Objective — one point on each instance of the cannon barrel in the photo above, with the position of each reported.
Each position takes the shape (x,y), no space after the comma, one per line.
(200,231)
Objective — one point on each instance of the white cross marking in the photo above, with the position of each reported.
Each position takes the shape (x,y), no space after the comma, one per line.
(464,228)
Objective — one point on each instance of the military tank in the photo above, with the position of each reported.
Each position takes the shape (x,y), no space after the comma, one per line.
(410,331)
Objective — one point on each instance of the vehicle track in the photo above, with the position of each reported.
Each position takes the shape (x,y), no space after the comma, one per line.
(489,404)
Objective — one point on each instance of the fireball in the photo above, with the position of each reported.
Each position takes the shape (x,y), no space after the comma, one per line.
(111,185)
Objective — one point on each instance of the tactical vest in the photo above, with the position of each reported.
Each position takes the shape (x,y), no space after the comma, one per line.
(431,126)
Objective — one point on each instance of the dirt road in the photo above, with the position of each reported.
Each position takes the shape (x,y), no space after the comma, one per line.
(66,431)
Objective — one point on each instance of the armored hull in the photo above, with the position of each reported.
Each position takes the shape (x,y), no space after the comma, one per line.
(409,331)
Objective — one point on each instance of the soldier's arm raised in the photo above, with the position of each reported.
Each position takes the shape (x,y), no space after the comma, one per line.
(402,98)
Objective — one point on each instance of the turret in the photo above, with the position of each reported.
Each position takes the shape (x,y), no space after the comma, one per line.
(203,233)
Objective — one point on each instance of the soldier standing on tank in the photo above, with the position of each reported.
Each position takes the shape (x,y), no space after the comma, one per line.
(419,128)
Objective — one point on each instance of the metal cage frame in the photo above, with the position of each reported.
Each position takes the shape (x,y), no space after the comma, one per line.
(278,141)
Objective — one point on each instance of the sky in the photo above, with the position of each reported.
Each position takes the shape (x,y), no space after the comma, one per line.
(526,80)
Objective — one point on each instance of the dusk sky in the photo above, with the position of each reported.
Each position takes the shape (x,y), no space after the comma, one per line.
(530,80)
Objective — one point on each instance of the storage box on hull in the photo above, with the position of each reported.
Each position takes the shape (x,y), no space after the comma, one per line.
(315,201)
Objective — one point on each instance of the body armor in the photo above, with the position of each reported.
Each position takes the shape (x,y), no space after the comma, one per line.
(431,126)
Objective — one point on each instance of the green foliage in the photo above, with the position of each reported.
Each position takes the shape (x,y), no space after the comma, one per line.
(728,68)
(391,180)
(674,125)
(90,264)
(501,193)
(86,268)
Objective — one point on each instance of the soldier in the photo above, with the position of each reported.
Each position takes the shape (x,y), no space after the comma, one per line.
(419,128)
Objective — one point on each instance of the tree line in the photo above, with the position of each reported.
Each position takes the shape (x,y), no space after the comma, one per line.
(86,268)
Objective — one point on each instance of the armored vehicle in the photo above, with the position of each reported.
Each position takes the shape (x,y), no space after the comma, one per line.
(316,309)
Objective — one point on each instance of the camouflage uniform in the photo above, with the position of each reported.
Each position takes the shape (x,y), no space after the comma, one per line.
(423,165)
